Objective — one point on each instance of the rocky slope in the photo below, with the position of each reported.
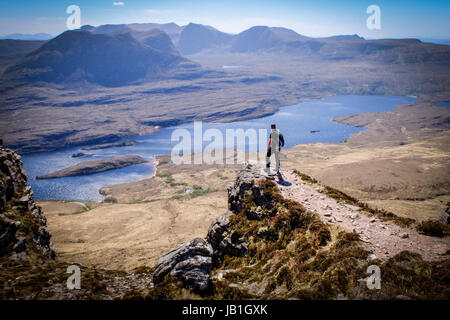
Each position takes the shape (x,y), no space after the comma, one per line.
(382,232)
(29,268)
(22,224)
(268,246)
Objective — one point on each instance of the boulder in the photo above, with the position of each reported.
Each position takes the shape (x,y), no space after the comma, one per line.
(217,230)
(223,242)
(246,183)
(190,262)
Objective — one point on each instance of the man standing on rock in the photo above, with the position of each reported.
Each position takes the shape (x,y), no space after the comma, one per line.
(276,141)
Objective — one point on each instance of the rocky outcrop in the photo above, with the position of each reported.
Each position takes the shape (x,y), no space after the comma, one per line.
(90,167)
(191,262)
(8,241)
(22,224)
(245,182)
(217,230)
(223,242)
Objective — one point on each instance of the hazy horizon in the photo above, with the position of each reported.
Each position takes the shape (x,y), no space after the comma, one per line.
(402,19)
(439,40)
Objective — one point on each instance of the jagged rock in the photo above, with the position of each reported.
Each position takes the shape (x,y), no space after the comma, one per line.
(17,198)
(445,216)
(217,229)
(232,247)
(191,262)
(222,242)
(8,240)
(246,181)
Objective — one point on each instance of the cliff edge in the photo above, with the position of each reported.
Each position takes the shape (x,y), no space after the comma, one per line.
(23,227)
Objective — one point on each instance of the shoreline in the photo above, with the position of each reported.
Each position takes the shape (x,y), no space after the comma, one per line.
(157,128)
(155,164)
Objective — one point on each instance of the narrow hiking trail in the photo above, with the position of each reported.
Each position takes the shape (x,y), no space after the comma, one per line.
(384,238)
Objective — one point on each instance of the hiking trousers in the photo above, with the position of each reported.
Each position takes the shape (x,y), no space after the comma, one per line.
(277,159)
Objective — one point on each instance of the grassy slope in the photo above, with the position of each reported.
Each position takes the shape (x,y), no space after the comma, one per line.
(292,254)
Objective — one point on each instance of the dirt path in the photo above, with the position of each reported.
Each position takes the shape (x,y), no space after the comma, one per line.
(385,239)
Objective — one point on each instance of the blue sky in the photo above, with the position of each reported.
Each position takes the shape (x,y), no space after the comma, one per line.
(399,18)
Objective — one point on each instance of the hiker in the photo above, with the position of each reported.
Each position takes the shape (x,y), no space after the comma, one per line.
(276,141)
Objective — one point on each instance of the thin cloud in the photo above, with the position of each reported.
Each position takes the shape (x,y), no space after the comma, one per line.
(118,3)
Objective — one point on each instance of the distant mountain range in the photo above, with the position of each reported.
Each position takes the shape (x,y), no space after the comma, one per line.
(22,36)
(107,55)
(114,55)
(197,38)
(12,51)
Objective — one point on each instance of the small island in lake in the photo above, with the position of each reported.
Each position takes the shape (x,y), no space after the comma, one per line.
(90,167)
(111,145)
(78,154)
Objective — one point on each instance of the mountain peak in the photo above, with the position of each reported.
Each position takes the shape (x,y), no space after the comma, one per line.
(264,37)
(196,37)
(109,55)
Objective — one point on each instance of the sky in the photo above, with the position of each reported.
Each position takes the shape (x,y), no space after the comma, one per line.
(399,18)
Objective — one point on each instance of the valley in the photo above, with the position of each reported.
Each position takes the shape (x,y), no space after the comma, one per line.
(283,68)
(407,147)
(370,185)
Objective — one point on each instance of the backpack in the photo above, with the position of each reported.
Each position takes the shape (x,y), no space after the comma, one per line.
(281,140)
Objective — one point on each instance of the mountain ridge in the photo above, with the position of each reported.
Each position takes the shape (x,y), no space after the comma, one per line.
(114,58)
(22,36)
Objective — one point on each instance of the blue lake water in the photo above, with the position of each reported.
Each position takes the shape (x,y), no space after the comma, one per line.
(295,122)
(445,104)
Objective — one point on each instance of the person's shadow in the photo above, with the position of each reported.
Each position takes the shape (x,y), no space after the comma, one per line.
(282,181)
